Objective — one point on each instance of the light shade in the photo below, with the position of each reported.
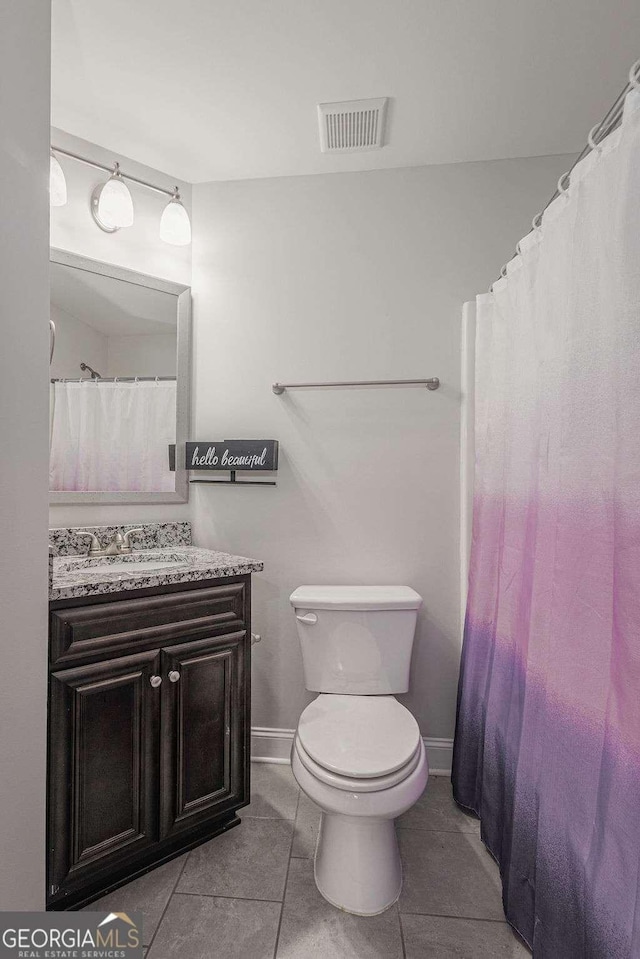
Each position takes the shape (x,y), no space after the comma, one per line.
(175,226)
(57,183)
(115,206)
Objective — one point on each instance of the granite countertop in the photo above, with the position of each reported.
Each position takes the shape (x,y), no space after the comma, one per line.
(77,576)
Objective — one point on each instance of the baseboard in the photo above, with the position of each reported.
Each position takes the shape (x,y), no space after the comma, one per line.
(270,745)
(274,746)
(439,754)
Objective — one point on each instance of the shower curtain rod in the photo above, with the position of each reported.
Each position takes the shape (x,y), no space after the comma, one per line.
(112,379)
(597,134)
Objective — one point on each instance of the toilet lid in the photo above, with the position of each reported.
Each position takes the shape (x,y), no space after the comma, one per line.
(359,736)
(350,783)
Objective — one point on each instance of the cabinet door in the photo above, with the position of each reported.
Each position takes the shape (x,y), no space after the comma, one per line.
(205,745)
(103,759)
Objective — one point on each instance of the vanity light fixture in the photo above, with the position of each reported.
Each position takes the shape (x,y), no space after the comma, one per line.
(57,182)
(112,204)
(175,226)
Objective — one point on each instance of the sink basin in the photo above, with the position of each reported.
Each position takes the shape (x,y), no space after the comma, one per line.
(130,564)
(142,566)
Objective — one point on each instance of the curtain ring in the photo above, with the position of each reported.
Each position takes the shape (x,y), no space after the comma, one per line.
(536,223)
(591,139)
(634,75)
(157,380)
(518,249)
(136,380)
(563,189)
(115,379)
(503,273)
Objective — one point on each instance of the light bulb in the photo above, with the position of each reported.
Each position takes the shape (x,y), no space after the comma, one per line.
(115,206)
(175,226)
(57,183)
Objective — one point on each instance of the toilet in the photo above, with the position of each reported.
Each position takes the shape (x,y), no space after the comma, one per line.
(357,752)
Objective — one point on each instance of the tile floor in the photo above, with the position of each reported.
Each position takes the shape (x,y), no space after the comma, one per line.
(250,893)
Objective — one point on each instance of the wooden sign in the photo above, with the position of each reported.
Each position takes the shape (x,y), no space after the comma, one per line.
(252,456)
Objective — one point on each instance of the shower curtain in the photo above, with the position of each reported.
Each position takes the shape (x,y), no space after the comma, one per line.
(547,748)
(112,436)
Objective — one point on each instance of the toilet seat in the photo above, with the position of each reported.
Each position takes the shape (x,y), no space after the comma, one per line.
(358,739)
(350,784)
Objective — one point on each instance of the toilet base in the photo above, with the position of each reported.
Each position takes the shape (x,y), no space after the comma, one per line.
(357,863)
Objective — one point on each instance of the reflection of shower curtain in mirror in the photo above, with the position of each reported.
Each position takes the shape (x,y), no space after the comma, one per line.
(113,436)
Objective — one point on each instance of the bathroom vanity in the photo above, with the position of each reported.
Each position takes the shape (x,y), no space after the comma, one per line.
(149,698)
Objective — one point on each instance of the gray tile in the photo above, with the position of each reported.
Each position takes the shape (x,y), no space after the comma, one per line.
(199,927)
(149,895)
(306,829)
(435,937)
(436,810)
(313,929)
(448,874)
(249,862)
(274,792)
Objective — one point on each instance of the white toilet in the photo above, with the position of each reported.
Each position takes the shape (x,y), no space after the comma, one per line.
(357,752)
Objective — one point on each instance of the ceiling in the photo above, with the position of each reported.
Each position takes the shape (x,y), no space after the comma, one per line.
(227,89)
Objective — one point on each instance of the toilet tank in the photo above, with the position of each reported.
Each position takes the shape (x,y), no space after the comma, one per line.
(356,639)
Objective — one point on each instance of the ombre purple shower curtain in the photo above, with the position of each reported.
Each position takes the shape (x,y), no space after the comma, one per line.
(547,748)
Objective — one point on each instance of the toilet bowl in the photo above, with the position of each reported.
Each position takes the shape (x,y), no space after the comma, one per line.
(357,863)
(357,752)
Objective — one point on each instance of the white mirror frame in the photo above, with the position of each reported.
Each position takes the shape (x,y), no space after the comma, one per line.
(183,381)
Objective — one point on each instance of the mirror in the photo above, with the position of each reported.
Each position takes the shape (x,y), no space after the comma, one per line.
(119,391)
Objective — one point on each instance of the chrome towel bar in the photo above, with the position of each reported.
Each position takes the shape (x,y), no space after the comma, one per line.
(431,384)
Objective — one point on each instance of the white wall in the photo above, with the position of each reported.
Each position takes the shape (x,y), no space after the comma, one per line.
(152,354)
(149,354)
(138,248)
(348,276)
(24,277)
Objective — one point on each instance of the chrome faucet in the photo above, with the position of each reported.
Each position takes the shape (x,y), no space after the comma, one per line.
(118,545)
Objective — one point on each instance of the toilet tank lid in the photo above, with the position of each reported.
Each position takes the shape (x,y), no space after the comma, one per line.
(355,597)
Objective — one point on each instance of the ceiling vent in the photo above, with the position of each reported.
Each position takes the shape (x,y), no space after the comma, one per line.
(352,126)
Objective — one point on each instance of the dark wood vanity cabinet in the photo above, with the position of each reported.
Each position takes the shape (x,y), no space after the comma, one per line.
(149,730)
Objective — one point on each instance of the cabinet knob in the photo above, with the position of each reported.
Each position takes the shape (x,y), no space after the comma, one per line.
(155,681)
(174,675)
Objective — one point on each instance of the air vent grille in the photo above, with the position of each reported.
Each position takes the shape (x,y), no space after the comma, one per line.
(352,125)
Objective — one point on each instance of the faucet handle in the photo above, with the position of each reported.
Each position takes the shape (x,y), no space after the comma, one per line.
(95,547)
(126,540)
